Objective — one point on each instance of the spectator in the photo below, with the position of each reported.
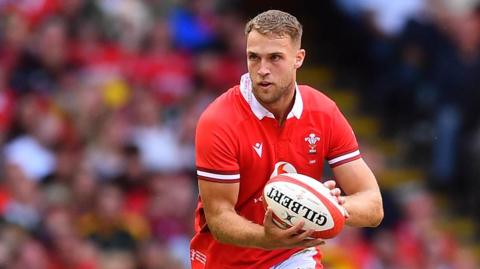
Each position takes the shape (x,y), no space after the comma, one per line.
(108,226)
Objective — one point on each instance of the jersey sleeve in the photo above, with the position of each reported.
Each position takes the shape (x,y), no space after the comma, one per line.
(216,152)
(343,146)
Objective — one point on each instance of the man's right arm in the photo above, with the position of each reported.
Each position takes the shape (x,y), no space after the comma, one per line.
(228,227)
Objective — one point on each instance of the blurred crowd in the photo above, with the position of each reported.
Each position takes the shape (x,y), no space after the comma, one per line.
(98,106)
(419,64)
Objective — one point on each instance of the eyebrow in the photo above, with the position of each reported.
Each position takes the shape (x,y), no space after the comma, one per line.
(268,54)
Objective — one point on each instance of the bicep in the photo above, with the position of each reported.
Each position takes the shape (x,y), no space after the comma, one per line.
(218,197)
(355,176)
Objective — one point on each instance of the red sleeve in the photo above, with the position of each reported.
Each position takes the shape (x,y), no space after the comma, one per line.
(343,147)
(216,151)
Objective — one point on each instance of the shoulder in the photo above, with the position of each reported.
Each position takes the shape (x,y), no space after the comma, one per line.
(225,111)
(316,101)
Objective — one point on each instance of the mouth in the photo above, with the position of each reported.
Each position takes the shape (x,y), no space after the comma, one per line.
(264,84)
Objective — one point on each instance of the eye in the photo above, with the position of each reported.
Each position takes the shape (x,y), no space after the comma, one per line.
(275,57)
(252,57)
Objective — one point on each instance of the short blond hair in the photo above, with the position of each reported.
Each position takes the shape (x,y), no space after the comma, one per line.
(276,22)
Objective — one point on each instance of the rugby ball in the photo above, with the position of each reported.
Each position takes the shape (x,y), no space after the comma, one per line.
(294,197)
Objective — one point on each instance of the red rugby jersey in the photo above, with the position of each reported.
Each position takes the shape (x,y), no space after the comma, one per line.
(238,140)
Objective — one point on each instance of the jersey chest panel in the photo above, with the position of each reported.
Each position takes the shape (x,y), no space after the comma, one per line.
(263,144)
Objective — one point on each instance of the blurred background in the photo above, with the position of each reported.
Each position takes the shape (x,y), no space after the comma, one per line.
(99,100)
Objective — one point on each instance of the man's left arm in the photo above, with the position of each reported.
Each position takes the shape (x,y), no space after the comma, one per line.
(363,200)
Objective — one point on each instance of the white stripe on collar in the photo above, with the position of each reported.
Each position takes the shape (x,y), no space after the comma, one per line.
(259,110)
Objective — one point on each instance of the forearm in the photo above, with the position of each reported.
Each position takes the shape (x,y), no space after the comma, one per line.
(230,228)
(365,209)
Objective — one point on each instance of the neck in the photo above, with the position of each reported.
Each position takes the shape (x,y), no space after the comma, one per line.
(284,105)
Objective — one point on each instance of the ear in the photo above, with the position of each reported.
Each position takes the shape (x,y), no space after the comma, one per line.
(299,58)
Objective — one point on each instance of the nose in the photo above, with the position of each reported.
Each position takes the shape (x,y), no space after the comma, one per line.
(263,70)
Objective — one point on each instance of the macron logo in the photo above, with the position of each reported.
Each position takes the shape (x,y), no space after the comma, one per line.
(258,149)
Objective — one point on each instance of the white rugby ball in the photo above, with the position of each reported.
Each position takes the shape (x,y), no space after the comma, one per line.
(294,197)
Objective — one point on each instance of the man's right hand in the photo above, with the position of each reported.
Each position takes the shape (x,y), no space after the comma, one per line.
(293,237)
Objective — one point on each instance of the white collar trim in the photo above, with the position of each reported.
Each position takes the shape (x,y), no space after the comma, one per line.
(259,110)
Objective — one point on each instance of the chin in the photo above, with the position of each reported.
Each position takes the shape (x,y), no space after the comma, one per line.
(266,99)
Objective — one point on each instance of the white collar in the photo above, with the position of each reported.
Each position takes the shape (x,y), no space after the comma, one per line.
(259,110)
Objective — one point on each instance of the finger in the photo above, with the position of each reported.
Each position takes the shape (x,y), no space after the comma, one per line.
(309,243)
(304,235)
(341,200)
(330,184)
(335,192)
(268,219)
(295,229)
(345,213)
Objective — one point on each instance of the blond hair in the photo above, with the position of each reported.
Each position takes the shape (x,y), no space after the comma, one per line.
(276,22)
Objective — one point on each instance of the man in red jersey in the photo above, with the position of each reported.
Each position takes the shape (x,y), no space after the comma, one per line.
(265,126)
